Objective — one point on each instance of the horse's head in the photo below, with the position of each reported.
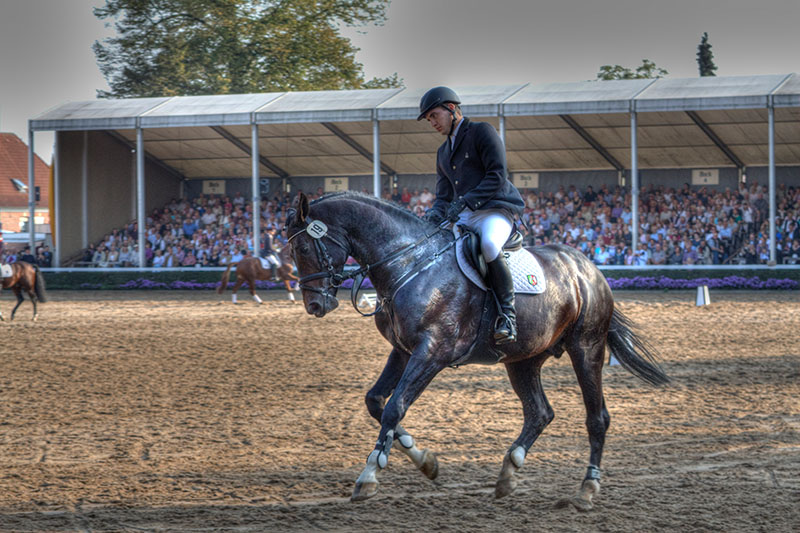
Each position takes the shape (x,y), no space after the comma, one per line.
(320,256)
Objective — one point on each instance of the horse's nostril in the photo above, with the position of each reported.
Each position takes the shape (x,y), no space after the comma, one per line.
(313,308)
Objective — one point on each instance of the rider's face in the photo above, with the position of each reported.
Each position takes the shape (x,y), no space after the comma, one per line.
(440,118)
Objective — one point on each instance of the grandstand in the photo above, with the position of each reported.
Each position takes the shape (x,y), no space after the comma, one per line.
(117,160)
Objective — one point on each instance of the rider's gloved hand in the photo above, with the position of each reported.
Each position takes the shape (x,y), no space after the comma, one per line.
(433,216)
(454,209)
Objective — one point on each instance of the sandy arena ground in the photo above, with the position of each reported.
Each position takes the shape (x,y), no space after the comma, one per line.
(178,411)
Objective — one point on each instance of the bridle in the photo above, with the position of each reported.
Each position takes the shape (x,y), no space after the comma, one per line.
(317,230)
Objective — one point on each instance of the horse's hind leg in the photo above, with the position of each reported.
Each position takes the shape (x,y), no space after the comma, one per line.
(424,460)
(239,282)
(525,377)
(32,296)
(252,285)
(587,360)
(289,290)
(20,299)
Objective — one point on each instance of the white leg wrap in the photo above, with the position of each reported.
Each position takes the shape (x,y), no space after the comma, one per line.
(234,298)
(518,456)
(256,298)
(368,475)
(408,447)
(291,296)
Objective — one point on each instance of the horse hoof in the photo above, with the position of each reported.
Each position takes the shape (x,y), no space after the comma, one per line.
(581,504)
(583,500)
(504,487)
(430,465)
(364,491)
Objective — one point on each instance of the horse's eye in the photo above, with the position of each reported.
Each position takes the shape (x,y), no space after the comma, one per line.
(304,249)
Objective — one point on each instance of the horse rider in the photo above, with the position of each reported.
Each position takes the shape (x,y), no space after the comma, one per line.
(473,190)
(270,254)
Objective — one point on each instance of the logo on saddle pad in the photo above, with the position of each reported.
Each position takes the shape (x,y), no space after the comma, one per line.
(532,280)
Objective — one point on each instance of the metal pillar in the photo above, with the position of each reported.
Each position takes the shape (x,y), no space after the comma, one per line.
(376,157)
(634,186)
(56,192)
(502,128)
(140,193)
(255,190)
(772,190)
(31,195)
(85,191)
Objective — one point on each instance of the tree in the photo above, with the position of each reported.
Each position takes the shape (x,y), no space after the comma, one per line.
(705,57)
(647,69)
(193,47)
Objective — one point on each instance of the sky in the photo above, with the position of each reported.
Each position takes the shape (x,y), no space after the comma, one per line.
(46,57)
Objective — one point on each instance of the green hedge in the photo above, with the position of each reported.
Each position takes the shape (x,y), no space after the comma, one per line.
(99,280)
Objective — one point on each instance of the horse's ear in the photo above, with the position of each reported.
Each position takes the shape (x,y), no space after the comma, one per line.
(302,208)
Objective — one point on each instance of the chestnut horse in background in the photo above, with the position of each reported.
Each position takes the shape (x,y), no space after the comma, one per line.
(249,270)
(25,277)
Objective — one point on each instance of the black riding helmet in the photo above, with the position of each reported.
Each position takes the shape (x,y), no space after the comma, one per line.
(436,97)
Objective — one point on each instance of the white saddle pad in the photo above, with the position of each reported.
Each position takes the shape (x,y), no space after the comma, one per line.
(266,264)
(525,270)
(6,271)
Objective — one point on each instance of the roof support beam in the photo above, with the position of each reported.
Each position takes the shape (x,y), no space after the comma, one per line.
(592,142)
(357,147)
(715,139)
(132,147)
(246,149)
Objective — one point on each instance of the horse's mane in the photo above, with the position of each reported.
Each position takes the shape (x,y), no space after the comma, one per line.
(379,203)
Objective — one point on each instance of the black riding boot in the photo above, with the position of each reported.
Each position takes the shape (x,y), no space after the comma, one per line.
(274,272)
(505,329)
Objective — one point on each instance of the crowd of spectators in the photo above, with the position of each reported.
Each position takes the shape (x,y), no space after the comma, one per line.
(42,256)
(685,226)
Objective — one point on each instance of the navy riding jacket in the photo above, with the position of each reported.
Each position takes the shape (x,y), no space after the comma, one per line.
(475,170)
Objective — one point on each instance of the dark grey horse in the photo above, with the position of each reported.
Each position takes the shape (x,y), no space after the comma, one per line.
(431,315)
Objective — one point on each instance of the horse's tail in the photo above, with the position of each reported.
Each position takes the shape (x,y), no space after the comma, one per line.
(635,354)
(38,286)
(225,276)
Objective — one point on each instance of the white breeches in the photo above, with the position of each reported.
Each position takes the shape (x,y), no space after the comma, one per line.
(494,227)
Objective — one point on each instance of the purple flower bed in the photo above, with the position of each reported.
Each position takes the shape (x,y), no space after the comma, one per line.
(728,282)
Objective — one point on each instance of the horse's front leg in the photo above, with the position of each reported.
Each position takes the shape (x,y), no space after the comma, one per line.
(424,460)
(419,372)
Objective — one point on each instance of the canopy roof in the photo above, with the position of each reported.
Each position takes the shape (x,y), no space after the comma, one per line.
(693,122)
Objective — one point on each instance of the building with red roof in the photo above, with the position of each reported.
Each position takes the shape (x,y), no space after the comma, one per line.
(14,211)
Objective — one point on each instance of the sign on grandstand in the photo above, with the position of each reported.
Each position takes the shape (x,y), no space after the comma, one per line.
(336,184)
(705,176)
(213,186)
(526,180)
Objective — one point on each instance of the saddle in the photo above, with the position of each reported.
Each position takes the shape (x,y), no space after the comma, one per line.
(483,350)
(472,249)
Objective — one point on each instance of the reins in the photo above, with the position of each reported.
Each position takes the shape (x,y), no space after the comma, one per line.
(317,230)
